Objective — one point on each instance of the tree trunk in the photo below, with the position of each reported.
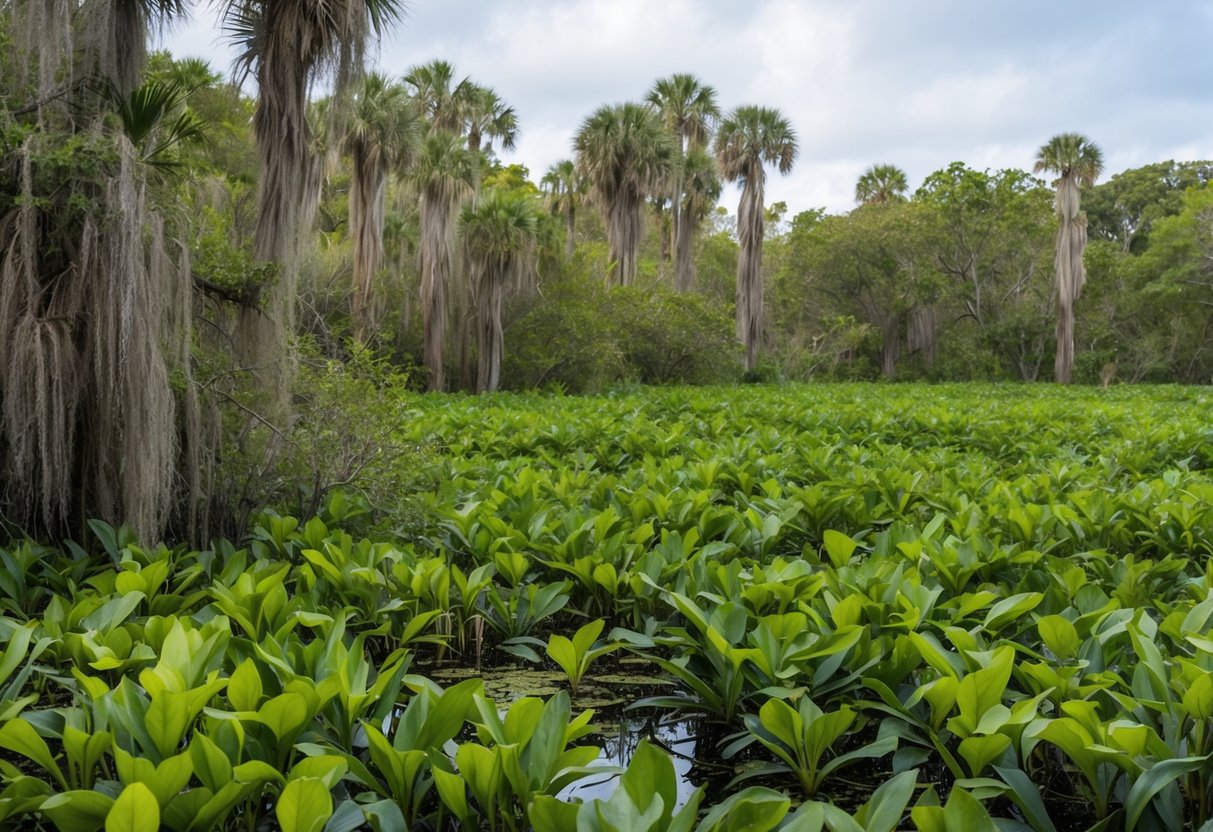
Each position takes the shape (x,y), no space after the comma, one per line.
(1063,365)
(570,229)
(366,222)
(921,332)
(663,239)
(676,211)
(684,263)
(1071,241)
(489,336)
(890,348)
(474,147)
(625,222)
(464,315)
(288,194)
(749,269)
(435,275)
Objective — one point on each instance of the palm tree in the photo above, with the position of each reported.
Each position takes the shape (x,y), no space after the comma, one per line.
(689,109)
(624,153)
(881,184)
(701,188)
(500,235)
(749,138)
(442,98)
(463,108)
(1077,161)
(287,45)
(443,173)
(382,136)
(564,187)
(487,118)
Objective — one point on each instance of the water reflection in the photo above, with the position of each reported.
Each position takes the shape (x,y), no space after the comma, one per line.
(619,741)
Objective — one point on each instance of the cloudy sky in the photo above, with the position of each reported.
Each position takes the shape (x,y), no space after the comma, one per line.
(918,84)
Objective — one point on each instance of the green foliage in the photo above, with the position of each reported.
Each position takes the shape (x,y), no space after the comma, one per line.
(833,574)
(583,337)
(801,737)
(341,456)
(1151,306)
(227,269)
(1124,209)
(575,654)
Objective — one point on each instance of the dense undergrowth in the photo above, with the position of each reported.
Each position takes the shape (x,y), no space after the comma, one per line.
(940,608)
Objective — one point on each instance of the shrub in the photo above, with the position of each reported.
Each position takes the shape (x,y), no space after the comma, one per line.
(584,337)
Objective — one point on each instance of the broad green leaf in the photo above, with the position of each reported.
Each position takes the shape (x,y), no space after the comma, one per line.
(447,715)
(285,714)
(384,816)
(547,814)
(755,809)
(244,687)
(347,817)
(963,813)
(211,765)
(839,547)
(814,816)
(1059,635)
(562,651)
(114,612)
(304,806)
(1010,609)
(19,736)
(15,651)
(77,811)
(651,771)
(1155,779)
(256,771)
(328,769)
(135,810)
(887,805)
(980,751)
(1027,797)
(1198,700)
(167,719)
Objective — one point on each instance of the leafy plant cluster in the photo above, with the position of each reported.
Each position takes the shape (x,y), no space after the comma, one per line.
(989,607)
(585,337)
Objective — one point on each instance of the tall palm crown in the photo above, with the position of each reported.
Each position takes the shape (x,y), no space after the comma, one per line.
(690,112)
(687,106)
(499,235)
(1071,156)
(752,137)
(749,139)
(564,186)
(1078,162)
(382,136)
(442,98)
(624,153)
(488,117)
(880,184)
(383,123)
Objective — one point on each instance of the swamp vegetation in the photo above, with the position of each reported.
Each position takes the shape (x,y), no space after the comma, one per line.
(787,607)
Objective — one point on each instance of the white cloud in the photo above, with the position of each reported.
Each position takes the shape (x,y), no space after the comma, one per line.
(915,84)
